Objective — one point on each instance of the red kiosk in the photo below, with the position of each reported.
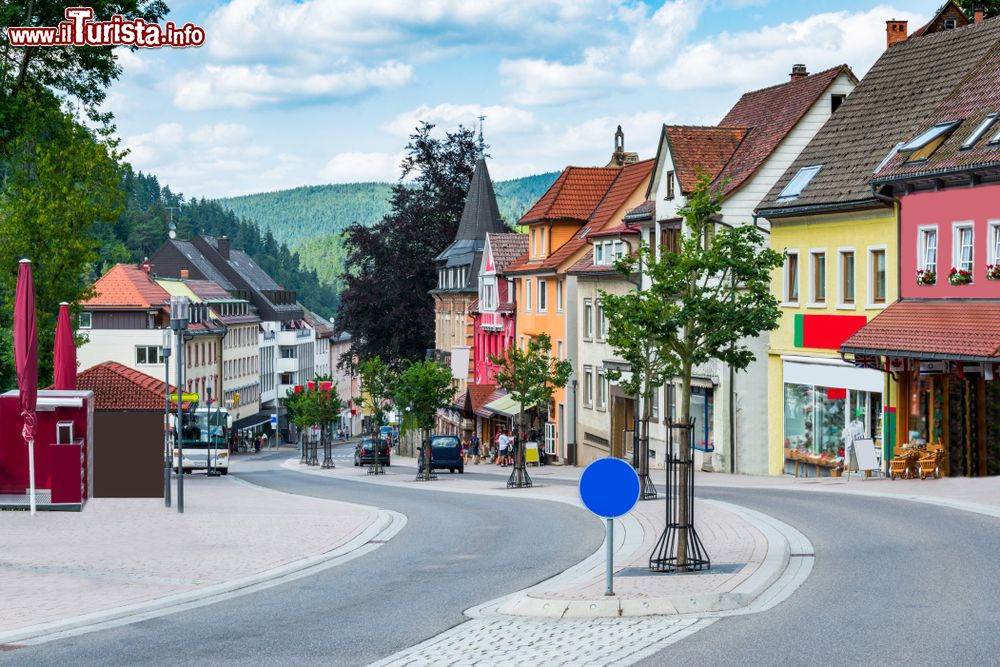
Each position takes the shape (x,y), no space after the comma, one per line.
(63,456)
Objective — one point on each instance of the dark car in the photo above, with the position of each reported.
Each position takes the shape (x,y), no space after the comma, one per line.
(446,454)
(364,452)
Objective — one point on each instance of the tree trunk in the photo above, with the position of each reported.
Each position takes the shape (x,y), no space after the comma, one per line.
(684,454)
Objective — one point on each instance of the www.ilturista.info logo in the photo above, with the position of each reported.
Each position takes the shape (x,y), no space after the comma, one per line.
(80,29)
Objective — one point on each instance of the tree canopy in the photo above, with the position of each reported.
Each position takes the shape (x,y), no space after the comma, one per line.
(378,383)
(422,388)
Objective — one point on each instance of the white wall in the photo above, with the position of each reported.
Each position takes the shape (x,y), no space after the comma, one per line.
(119,345)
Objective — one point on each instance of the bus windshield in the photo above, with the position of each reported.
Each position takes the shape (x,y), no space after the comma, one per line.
(206,426)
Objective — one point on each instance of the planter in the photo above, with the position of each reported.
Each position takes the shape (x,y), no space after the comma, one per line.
(959,277)
(993,271)
(925,277)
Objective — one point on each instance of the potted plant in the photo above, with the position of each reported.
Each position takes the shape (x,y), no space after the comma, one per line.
(993,271)
(926,277)
(959,276)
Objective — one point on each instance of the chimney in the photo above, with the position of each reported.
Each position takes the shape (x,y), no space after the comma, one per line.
(895,31)
(224,247)
(798,72)
(184,274)
(980,14)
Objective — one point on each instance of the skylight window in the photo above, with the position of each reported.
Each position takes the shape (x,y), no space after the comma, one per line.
(982,129)
(887,158)
(930,135)
(799,182)
(996,138)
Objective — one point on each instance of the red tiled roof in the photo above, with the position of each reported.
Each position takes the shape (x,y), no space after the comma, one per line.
(573,196)
(701,150)
(126,286)
(496,394)
(118,387)
(770,114)
(207,290)
(506,248)
(949,9)
(477,396)
(952,329)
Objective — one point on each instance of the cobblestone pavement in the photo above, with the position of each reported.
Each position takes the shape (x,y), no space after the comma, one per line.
(528,642)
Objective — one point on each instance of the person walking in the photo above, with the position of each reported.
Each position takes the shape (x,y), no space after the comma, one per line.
(474,445)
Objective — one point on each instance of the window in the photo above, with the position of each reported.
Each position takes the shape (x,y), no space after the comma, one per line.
(527,295)
(670,185)
(835,101)
(847,277)
(799,182)
(670,239)
(963,247)
(588,386)
(980,130)
(559,350)
(792,277)
(818,282)
(559,295)
(654,407)
(891,154)
(877,273)
(921,147)
(541,242)
(927,258)
(85,320)
(950,24)
(995,139)
(602,324)
(148,354)
(534,242)
(994,249)
(598,254)
(602,390)
(588,319)
(542,296)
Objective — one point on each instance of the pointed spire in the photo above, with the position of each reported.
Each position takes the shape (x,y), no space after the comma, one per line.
(482,144)
(481,214)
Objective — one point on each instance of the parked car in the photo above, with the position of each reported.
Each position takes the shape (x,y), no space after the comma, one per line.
(364,452)
(446,454)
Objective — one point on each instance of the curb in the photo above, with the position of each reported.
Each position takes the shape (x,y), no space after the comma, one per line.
(385,527)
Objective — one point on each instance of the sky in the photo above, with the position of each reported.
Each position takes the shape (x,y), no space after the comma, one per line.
(287,93)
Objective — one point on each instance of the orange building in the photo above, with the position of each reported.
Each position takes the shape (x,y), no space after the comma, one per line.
(582,201)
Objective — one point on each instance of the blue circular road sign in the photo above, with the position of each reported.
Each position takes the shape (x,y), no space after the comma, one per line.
(609,487)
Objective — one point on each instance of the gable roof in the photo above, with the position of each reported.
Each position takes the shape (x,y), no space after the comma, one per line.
(200,262)
(949,10)
(118,387)
(506,247)
(573,196)
(893,100)
(697,150)
(127,286)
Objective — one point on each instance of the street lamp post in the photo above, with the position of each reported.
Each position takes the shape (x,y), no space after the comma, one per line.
(168,452)
(180,312)
(209,470)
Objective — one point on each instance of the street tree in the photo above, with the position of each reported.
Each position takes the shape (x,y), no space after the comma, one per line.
(530,376)
(386,303)
(707,301)
(316,406)
(634,319)
(990,8)
(378,382)
(422,388)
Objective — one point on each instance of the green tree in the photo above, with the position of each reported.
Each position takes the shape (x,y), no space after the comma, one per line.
(378,383)
(990,7)
(708,300)
(423,387)
(315,407)
(61,187)
(530,376)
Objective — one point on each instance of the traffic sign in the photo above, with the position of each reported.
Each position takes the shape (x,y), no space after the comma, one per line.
(609,487)
(185,398)
(274,421)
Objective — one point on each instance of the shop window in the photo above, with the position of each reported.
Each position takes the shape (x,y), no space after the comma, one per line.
(963,245)
(792,277)
(818,279)
(847,277)
(877,275)
(703,412)
(927,259)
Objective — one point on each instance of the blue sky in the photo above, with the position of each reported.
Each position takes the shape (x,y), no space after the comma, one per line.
(291,93)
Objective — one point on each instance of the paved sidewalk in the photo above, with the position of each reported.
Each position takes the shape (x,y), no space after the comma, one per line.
(119,552)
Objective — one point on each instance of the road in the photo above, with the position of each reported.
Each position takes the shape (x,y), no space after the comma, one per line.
(455,551)
(893,583)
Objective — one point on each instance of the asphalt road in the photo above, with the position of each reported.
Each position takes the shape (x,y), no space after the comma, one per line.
(894,583)
(455,551)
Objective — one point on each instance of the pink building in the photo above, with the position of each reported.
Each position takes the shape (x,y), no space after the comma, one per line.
(493,312)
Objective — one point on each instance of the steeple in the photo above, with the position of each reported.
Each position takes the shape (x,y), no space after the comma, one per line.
(481,215)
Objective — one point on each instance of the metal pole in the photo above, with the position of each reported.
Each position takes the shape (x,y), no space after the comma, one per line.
(610,539)
(167,452)
(180,422)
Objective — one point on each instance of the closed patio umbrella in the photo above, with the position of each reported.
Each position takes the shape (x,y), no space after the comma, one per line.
(26,363)
(64,354)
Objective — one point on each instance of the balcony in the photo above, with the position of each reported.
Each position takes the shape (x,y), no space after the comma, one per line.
(491,321)
(286,365)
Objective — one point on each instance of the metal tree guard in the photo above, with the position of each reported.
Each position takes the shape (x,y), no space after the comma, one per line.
(519,477)
(665,555)
(313,454)
(424,472)
(304,446)
(327,449)
(376,468)
(645,481)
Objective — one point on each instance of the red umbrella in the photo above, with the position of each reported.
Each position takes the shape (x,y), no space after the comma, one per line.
(26,361)
(65,351)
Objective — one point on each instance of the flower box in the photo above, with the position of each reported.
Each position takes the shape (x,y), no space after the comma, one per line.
(993,271)
(926,277)
(959,276)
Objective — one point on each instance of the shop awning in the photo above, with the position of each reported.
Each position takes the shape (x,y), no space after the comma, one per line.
(505,405)
(954,330)
(476,398)
(252,421)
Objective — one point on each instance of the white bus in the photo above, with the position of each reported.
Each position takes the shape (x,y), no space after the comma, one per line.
(205,437)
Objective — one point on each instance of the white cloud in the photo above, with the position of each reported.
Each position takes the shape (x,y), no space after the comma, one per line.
(500,119)
(764,57)
(538,81)
(353,167)
(660,35)
(243,86)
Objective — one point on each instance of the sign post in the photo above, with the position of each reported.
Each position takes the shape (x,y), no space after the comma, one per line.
(609,488)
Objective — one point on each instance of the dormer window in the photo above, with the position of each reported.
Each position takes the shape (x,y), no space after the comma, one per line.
(799,182)
(980,130)
(950,24)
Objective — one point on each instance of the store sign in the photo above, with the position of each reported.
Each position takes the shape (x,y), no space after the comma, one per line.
(933,367)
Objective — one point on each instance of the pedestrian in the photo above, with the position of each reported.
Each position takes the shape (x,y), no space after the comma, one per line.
(465,450)
(505,443)
(256,444)
(263,440)
(474,445)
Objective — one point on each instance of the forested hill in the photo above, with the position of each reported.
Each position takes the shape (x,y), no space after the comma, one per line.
(305,213)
